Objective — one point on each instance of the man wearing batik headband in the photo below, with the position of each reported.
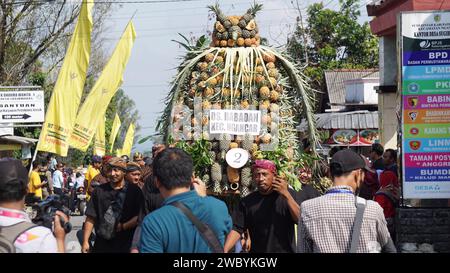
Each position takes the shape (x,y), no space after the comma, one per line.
(134,173)
(113,211)
(269,214)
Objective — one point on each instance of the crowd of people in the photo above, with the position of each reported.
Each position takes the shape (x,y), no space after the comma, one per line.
(157,205)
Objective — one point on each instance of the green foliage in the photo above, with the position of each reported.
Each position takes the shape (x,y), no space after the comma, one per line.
(199,151)
(287,166)
(333,40)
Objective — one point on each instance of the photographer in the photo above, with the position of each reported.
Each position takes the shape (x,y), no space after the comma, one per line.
(13,189)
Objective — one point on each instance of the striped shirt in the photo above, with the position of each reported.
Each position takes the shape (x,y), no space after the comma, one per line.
(326,224)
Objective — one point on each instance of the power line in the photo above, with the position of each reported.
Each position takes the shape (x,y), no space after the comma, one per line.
(101,2)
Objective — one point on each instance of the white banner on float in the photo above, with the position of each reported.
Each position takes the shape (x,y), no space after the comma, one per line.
(235,122)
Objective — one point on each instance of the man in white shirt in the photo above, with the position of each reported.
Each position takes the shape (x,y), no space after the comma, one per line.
(13,189)
(58,179)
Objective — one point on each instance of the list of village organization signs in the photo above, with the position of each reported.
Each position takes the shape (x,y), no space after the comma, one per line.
(425,41)
(22,106)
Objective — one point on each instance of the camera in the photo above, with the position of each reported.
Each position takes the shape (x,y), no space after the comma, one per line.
(45,212)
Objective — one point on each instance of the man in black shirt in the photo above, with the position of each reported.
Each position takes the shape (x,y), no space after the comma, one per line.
(269,214)
(376,156)
(113,211)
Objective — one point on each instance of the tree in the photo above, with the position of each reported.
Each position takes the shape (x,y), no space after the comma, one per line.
(332,40)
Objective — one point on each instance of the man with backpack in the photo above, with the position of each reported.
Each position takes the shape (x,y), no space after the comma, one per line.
(187,222)
(113,211)
(17,233)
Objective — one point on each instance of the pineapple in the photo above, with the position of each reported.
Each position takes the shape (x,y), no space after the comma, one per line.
(234,20)
(266,138)
(264,92)
(219,27)
(247,142)
(226,92)
(206,104)
(219,60)
(268,57)
(270,65)
(225,141)
(216,173)
(242,24)
(266,119)
(212,155)
(259,69)
(204,76)
(246,34)
(246,176)
(233,175)
(264,105)
(251,25)
(273,72)
(235,32)
(244,191)
(227,24)
(205,120)
(209,57)
(234,145)
(245,104)
(274,96)
(206,179)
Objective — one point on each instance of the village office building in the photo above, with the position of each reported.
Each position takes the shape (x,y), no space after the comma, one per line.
(427,220)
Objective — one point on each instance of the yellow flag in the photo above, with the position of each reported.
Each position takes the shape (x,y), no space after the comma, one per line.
(99,144)
(128,142)
(95,105)
(63,106)
(114,131)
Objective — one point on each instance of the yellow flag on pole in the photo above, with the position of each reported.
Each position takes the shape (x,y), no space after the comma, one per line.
(99,144)
(114,131)
(95,105)
(63,106)
(128,142)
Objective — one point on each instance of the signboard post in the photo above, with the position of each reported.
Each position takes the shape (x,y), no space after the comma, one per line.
(22,106)
(425,60)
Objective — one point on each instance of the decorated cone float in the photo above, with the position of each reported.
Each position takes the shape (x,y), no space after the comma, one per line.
(236,73)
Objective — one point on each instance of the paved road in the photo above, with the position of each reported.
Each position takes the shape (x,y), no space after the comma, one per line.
(72,244)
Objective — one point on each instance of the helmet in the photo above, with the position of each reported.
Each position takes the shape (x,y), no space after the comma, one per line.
(126,158)
(96,159)
(137,156)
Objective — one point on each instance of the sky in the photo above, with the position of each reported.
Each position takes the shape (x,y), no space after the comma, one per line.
(155,56)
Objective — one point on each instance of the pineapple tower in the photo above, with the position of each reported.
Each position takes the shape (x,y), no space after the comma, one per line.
(236,72)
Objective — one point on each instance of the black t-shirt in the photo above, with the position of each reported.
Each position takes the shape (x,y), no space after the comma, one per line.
(307,192)
(378,164)
(152,198)
(268,220)
(101,199)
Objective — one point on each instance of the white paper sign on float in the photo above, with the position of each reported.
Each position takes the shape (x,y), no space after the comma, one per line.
(235,122)
(237,158)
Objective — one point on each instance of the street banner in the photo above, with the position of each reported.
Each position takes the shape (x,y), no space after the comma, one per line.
(114,131)
(95,105)
(21,106)
(99,143)
(64,102)
(425,45)
(128,142)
